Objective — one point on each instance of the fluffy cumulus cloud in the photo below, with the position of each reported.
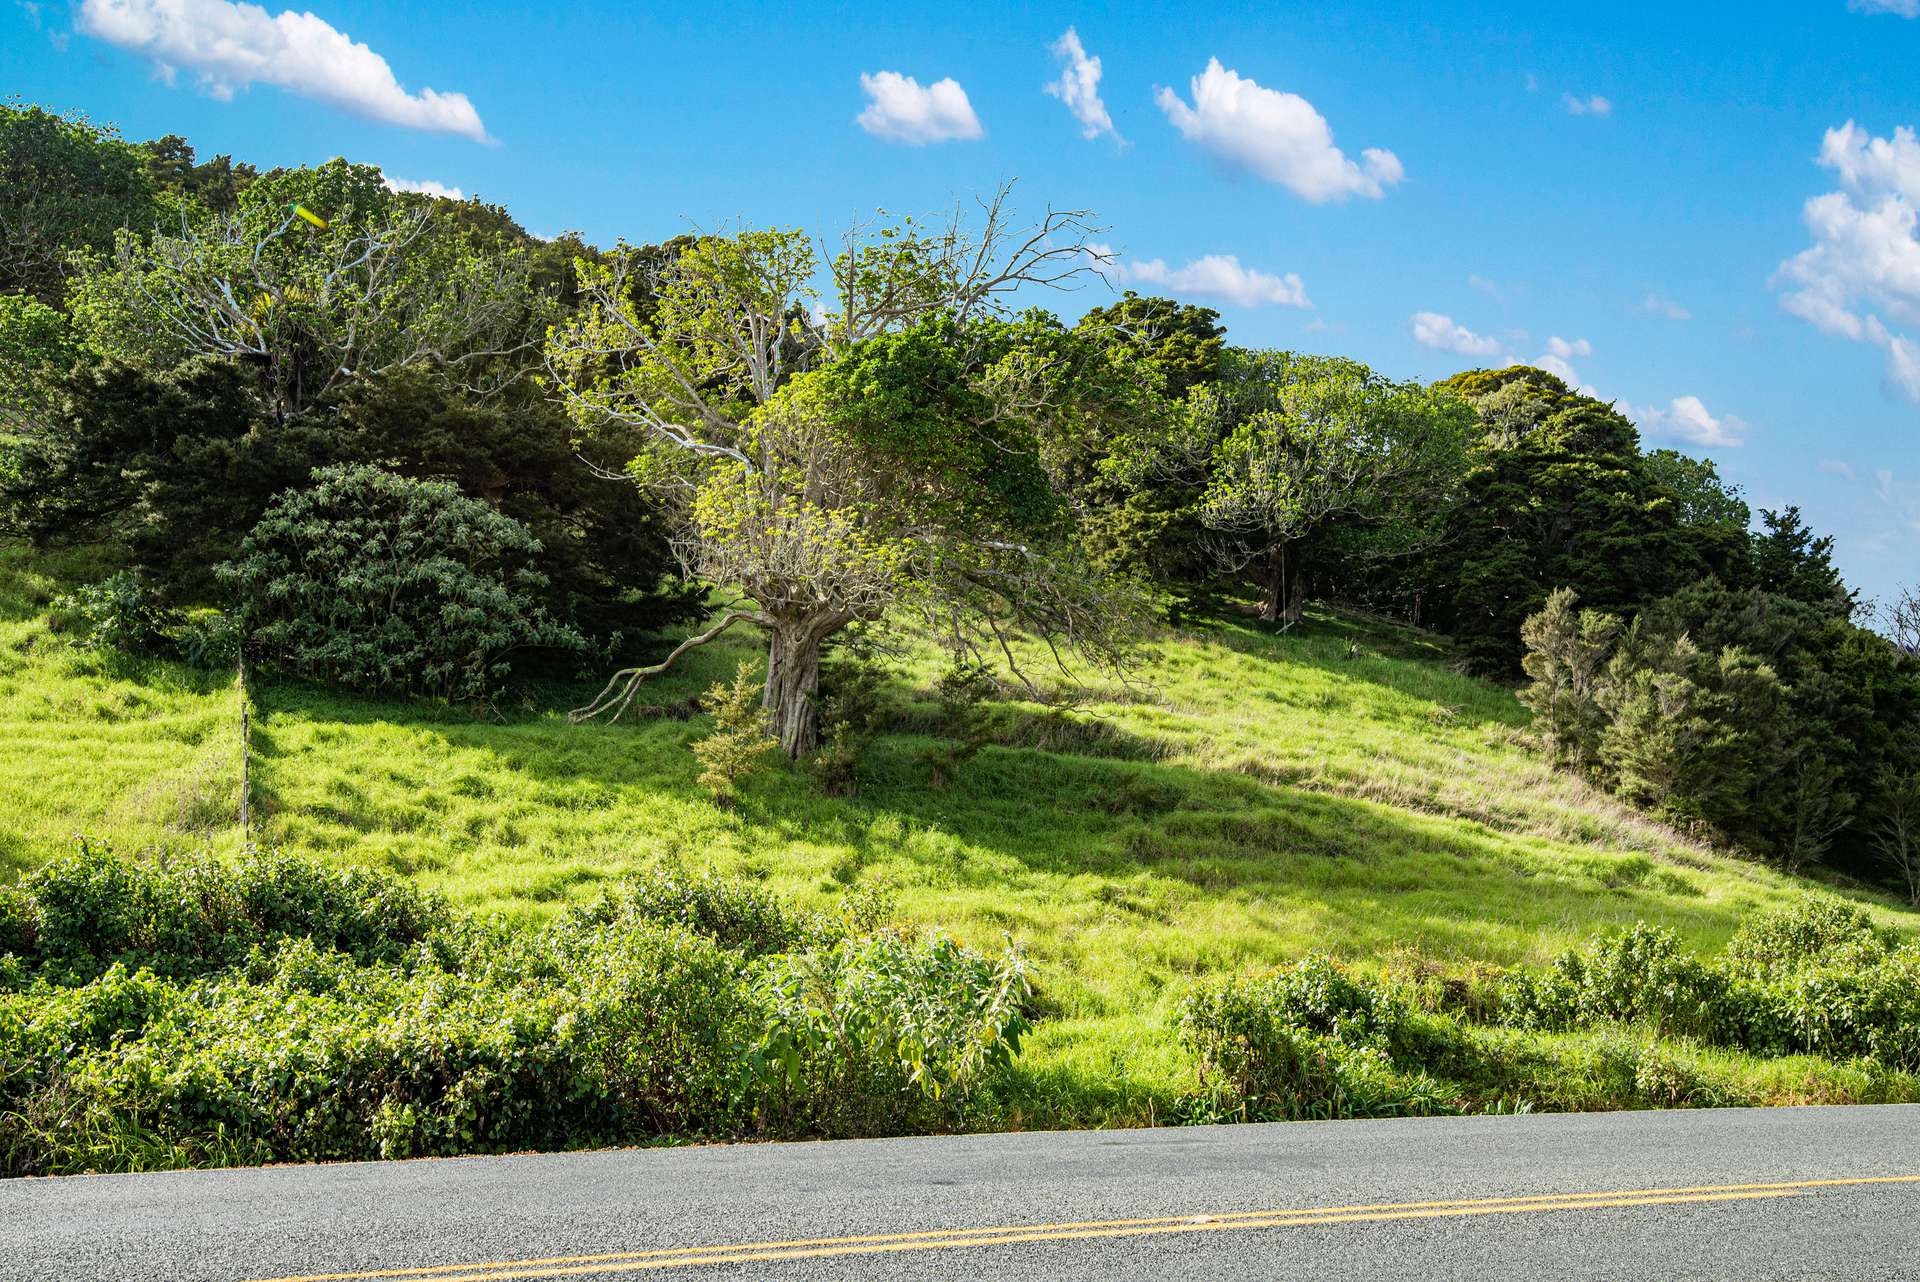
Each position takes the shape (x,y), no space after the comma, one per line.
(1079,87)
(426,187)
(900,109)
(1593,106)
(1443,334)
(1860,280)
(228,47)
(1567,350)
(1687,421)
(1277,136)
(1220,277)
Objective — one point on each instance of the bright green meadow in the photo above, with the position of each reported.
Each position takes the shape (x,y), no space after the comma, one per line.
(1246,799)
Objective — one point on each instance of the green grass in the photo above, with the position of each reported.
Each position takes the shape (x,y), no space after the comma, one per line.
(139,752)
(1248,799)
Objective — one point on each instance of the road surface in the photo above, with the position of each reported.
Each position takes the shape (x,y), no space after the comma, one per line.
(1747,1194)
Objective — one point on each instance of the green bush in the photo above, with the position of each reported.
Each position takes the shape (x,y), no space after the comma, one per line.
(882,1033)
(382,584)
(1306,1042)
(1637,976)
(735,914)
(196,1014)
(119,612)
(76,916)
(1823,931)
(1817,979)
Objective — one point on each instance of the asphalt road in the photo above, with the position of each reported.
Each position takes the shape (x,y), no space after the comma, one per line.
(1747,1194)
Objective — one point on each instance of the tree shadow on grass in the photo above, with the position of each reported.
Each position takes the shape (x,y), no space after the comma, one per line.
(1116,829)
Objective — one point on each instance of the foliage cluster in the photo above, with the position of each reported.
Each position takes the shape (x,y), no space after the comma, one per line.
(156,1016)
(1629,1012)
(378,583)
(1753,713)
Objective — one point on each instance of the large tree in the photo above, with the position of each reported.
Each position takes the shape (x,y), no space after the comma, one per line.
(834,458)
(379,287)
(1557,495)
(65,184)
(1311,443)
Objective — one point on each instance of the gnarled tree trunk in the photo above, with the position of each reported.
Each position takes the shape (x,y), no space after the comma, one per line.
(1286,587)
(792,696)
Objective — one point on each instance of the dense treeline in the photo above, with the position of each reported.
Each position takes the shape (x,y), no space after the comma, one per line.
(289,394)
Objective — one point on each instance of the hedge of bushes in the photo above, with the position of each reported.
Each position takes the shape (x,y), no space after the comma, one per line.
(158,1014)
(1316,1041)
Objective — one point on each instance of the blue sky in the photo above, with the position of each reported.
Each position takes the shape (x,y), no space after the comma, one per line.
(1631,181)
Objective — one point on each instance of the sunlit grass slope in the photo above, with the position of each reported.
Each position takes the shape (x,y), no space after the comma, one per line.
(138,752)
(1248,799)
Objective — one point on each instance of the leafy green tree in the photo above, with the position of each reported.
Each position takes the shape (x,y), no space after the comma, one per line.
(1184,342)
(1315,442)
(212,186)
(1711,514)
(1789,561)
(308,308)
(1136,477)
(375,582)
(1568,652)
(1557,494)
(168,463)
(883,450)
(37,346)
(65,184)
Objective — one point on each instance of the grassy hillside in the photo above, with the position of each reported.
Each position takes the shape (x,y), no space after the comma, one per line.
(1249,799)
(138,752)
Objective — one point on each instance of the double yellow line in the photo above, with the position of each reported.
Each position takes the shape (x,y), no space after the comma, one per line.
(951,1239)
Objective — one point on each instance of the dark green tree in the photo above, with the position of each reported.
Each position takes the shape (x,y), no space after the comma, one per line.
(65,184)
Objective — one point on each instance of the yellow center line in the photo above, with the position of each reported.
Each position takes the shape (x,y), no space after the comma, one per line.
(682,1257)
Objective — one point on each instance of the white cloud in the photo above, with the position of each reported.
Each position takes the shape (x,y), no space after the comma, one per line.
(1863,270)
(231,46)
(1837,466)
(1560,369)
(1658,304)
(1443,334)
(1560,347)
(1079,87)
(900,110)
(426,187)
(1903,8)
(1687,420)
(1277,136)
(1594,106)
(1218,276)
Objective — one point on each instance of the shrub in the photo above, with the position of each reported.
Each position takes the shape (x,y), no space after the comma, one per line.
(741,737)
(734,914)
(75,917)
(884,1032)
(963,691)
(1637,976)
(1817,931)
(382,584)
(851,715)
(1306,1042)
(118,613)
(193,1014)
